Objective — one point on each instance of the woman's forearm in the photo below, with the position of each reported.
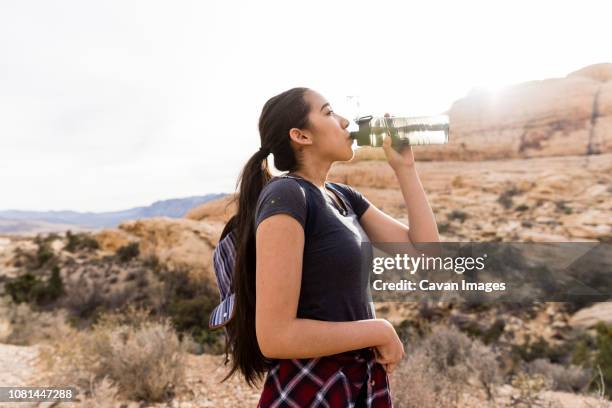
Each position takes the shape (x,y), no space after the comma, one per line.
(421,220)
(307,338)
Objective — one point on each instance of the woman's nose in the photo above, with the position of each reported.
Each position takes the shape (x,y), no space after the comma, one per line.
(345,122)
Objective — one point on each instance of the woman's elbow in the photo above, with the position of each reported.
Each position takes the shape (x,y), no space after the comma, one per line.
(264,345)
(269,342)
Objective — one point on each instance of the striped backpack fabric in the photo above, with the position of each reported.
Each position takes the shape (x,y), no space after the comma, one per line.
(224,258)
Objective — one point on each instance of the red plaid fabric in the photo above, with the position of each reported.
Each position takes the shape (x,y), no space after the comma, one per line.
(331,382)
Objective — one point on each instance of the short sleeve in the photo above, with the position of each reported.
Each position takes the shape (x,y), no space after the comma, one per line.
(281,196)
(357,201)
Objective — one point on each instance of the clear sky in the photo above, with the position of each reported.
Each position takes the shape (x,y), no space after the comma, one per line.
(111,104)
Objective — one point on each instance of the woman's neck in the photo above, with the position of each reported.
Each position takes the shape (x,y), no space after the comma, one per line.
(316,177)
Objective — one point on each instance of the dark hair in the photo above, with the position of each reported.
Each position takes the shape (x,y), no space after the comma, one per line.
(280,113)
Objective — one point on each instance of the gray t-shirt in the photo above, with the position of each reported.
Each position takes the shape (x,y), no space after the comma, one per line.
(334,284)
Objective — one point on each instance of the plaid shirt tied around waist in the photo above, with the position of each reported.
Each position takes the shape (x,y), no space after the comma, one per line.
(327,382)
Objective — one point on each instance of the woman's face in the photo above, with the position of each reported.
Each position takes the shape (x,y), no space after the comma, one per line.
(330,138)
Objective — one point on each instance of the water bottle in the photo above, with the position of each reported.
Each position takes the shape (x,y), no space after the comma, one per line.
(412,131)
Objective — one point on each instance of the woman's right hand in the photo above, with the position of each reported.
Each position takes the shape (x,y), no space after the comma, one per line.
(391,351)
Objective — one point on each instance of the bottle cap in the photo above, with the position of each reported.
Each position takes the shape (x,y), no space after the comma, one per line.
(363,134)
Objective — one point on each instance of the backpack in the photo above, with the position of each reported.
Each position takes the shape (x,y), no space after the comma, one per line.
(224,259)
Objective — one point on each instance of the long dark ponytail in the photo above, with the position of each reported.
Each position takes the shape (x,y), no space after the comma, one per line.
(280,113)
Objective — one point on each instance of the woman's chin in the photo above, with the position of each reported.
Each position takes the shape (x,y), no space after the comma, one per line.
(349,155)
(345,155)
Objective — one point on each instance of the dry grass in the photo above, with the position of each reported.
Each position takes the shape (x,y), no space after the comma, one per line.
(104,394)
(442,367)
(142,358)
(529,388)
(418,385)
(23,326)
(571,378)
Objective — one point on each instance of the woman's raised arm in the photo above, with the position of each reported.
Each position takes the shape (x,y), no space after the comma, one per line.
(380,227)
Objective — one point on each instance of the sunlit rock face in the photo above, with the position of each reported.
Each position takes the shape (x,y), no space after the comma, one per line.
(219,210)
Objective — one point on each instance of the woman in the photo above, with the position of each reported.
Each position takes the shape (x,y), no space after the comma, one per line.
(303,316)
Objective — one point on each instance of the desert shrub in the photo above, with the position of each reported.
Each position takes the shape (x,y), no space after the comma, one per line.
(411,331)
(32,289)
(457,356)
(84,298)
(488,335)
(21,288)
(142,357)
(22,325)
(152,262)
(132,316)
(189,318)
(416,385)
(22,259)
(492,334)
(529,388)
(583,353)
(80,241)
(42,256)
(44,253)
(189,304)
(55,281)
(594,352)
(457,215)
(102,394)
(540,348)
(131,275)
(443,227)
(147,363)
(561,206)
(128,252)
(441,366)
(505,198)
(603,354)
(571,378)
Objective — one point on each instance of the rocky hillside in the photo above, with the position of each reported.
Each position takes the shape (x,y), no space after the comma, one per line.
(550,199)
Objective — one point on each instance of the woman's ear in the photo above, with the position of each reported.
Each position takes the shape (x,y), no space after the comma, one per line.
(300,137)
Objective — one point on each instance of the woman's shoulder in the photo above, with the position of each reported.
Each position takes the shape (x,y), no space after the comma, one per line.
(281,195)
(283,185)
(282,191)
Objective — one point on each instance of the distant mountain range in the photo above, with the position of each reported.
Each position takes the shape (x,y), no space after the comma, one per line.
(28,222)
